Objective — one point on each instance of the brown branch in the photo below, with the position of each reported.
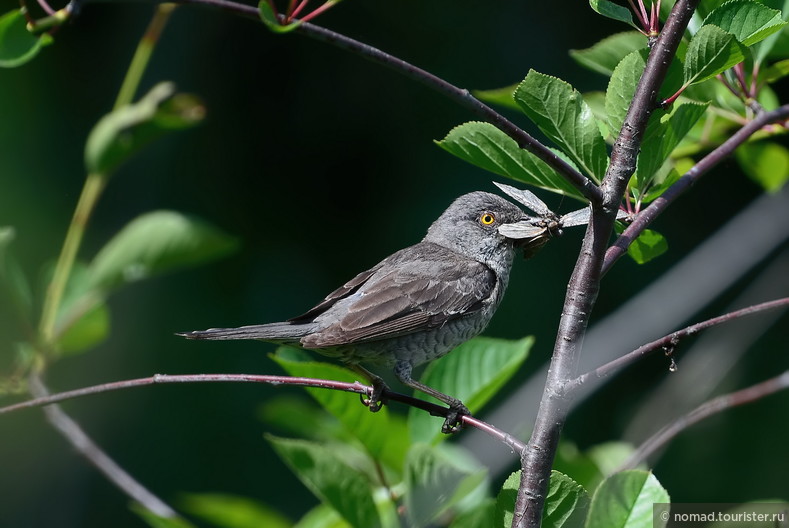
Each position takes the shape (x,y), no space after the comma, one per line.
(355,387)
(705,410)
(670,341)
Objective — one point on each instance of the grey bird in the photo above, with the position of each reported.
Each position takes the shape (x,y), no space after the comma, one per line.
(415,305)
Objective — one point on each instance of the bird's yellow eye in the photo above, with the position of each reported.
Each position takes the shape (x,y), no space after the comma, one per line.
(487,219)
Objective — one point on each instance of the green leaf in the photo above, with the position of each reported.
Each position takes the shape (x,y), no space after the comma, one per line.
(663,134)
(649,245)
(231,511)
(384,438)
(155,243)
(625,500)
(766,163)
(487,147)
(776,71)
(17,44)
(120,134)
(157,521)
(499,96)
(611,10)
(561,113)
(13,284)
(622,88)
(438,478)
(473,373)
(481,516)
(711,51)
(83,319)
(765,47)
(604,56)
(322,516)
(269,18)
(565,505)
(334,482)
(749,21)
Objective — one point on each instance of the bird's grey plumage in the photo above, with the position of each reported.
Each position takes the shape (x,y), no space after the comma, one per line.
(415,305)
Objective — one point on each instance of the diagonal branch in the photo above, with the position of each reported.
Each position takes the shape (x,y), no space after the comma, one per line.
(705,410)
(648,215)
(670,341)
(45,399)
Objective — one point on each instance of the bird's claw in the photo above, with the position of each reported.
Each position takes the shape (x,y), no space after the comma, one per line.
(374,400)
(454,419)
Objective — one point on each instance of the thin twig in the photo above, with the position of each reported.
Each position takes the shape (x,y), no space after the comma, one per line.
(705,410)
(85,446)
(648,215)
(355,387)
(670,341)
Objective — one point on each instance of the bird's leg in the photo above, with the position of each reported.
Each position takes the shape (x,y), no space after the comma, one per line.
(374,401)
(452,423)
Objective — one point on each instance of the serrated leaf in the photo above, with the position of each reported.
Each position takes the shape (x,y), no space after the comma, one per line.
(473,373)
(626,500)
(335,483)
(156,243)
(232,511)
(384,438)
(438,478)
(766,163)
(499,96)
(565,505)
(611,10)
(649,245)
(14,286)
(269,18)
(764,48)
(17,44)
(562,115)
(604,56)
(749,21)
(487,147)
(622,88)
(120,134)
(711,51)
(663,134)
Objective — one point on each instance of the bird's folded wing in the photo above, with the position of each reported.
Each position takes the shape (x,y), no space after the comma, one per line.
(410,296)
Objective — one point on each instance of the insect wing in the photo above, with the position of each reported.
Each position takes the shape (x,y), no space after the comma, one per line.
(576,218)
(521,230)
(527,198)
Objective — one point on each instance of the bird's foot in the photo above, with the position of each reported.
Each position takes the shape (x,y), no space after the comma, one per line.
(375,400)
(454,419)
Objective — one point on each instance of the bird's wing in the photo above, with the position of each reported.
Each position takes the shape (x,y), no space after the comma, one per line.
(408,295)
(343,291)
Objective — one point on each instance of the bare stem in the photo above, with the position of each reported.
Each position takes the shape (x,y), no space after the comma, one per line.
(705,410)
(670,341)
(537,458)
(45,399)
(648,215)
(73,433)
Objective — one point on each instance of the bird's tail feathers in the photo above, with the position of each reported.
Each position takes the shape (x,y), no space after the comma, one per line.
(276,332)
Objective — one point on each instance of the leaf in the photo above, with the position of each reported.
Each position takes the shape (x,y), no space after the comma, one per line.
(565,505)
(231,511)
(622,88)
(765,47)
(269,18)
(662,136)
(13,284)
(473,373)
(776,71)
(120,134)
(487,147)
(156,243)
(749,21)
(386,440)
(611,10)
(561,113)
(711,51)
(626,500)
(480,516)
(17,44)
(766,163)
(438,478)
(321,516)
(157,521)
(649,245)
(331,480)
(83,319)
(604,56)
(499,96)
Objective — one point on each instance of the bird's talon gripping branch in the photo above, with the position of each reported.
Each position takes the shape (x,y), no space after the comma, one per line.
(454,420)
(374,401)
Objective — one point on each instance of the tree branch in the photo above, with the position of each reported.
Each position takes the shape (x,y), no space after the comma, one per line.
(537,459)
(45,399)
(705,410)
(85,446)
(670,341)
(648,215)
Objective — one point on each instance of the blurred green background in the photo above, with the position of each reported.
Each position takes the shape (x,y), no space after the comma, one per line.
(321,163)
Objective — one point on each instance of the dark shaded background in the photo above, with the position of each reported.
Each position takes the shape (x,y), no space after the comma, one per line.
(321,163)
